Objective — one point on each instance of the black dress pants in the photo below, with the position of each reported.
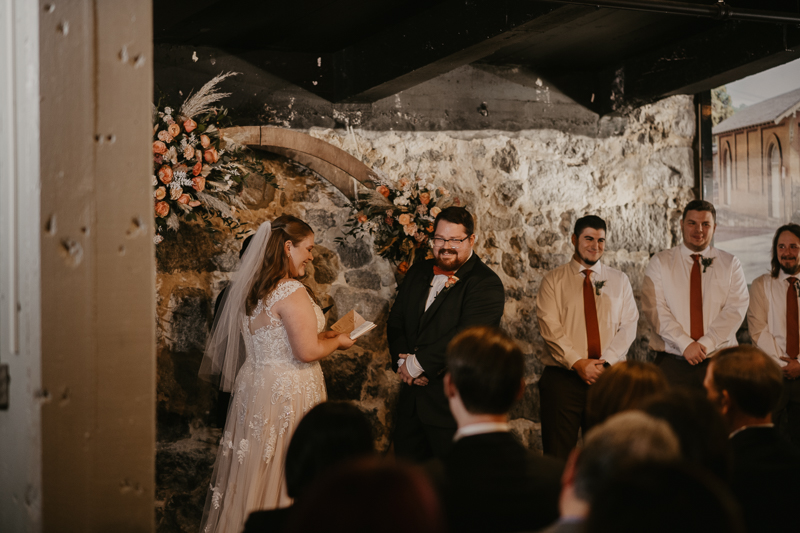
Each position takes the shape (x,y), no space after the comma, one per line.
(681,374)
(562,401)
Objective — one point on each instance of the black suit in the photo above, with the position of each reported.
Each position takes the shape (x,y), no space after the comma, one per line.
(492,483)
(766,472)
(423,423)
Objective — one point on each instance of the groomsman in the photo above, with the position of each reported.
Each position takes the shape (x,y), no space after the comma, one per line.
(587,316)
(438,298)
(774,323)
(695,297)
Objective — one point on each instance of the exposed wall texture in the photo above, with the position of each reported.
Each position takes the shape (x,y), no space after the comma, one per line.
(526,189)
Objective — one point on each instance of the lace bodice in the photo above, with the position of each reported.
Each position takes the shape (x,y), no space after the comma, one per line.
(269,343)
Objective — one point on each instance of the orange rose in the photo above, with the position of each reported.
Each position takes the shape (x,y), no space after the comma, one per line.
(160,193)
(189,125)
(425,197)
(159,148)
(174,130)
(383,190)
(199,183)
(404,219)
(362,218)
(165,174)
(188,153)
(211,155)
(430,228)
(162,209)
(205,141)
(184,199)
(194,203)
(402,267)
(435,211)
(197,169)
(164,136)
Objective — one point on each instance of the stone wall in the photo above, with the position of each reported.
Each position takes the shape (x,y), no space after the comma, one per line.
(526,190)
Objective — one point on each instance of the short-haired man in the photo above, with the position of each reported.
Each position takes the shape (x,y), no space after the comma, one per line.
(587,316)
(695,298)
(745,385)
(492,482)
(438,298)
(774,322)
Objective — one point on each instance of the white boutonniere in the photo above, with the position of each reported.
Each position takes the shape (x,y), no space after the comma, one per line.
(707,262)
(451,280)
(598,285)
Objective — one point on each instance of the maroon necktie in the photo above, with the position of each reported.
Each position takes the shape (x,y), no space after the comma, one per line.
(792,328)
(696,299)
(590,314)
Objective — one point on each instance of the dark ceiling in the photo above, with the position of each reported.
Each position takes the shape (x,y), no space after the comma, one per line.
(364,50)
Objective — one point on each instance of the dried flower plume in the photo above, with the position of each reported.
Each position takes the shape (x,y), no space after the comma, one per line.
(200,102)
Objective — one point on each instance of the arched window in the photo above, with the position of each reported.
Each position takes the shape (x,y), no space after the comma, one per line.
(775,170)
(727,173)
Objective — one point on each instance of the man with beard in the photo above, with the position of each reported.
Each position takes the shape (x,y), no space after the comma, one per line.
(438,299)
(587,316)
(773,307)
(695,297)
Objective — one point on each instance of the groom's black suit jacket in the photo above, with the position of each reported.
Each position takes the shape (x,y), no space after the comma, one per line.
(476,299)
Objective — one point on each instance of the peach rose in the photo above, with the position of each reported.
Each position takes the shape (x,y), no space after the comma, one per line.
(211,155)
(362,218)
(194,203)
(435,211)
(174,130)
(197,169)
(410,229)
(175,193)
(199,183)
(160,193)
(383,190)
(189,125)
(425,197)
(184,199)
(443,191)
(403,182)
(402,267)
(188,153)
(404,219)
(162,209)
(164,136)
(165,174)
(205,141)
(159,148)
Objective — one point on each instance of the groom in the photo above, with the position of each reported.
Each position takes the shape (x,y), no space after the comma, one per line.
(438,299)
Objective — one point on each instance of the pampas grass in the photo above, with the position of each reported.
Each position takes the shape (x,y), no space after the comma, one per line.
(200,102)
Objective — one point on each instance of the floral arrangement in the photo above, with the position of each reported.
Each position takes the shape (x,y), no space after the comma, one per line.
(400,217)
(196,173)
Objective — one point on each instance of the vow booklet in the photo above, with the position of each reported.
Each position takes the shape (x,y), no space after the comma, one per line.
(354,324)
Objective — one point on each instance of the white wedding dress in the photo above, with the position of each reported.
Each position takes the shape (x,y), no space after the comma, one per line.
(272,391)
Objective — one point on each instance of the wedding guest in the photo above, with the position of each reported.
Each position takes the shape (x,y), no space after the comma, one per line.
(438,298)
(331,433)
(587,317)
(773,321)
(695,298)
(745,384)
(624,386)
(491,481)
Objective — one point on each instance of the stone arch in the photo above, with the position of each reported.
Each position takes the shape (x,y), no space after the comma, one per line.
(332,163)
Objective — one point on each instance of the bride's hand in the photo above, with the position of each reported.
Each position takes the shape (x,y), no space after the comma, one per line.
(345,341)
(328,335)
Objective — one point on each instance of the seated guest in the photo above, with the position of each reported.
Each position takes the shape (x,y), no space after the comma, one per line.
(663,498)
(491,481)
(369,495)
(329,434)
(699,428)
(745,384)
(621,441)
(626,385)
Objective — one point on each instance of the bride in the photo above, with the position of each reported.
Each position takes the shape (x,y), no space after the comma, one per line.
(270,321)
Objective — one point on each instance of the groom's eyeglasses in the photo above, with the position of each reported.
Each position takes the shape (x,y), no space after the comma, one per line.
(454,243)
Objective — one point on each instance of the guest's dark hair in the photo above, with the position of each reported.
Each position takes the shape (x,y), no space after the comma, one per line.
(699,427)
(487,367)
(589,221)
(794,229)
(369,495)
(329,434)
(753,380)
(456,215)
(700,205)
(626,385)
(663,498)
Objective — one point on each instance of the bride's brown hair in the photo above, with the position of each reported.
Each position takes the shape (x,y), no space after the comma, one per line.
(275,265)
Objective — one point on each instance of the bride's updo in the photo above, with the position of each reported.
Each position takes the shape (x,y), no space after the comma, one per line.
(275,265)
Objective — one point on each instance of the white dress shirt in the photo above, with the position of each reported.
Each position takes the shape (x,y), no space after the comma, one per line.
(481,428)
(665,299)
(559,309)
(766,316)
